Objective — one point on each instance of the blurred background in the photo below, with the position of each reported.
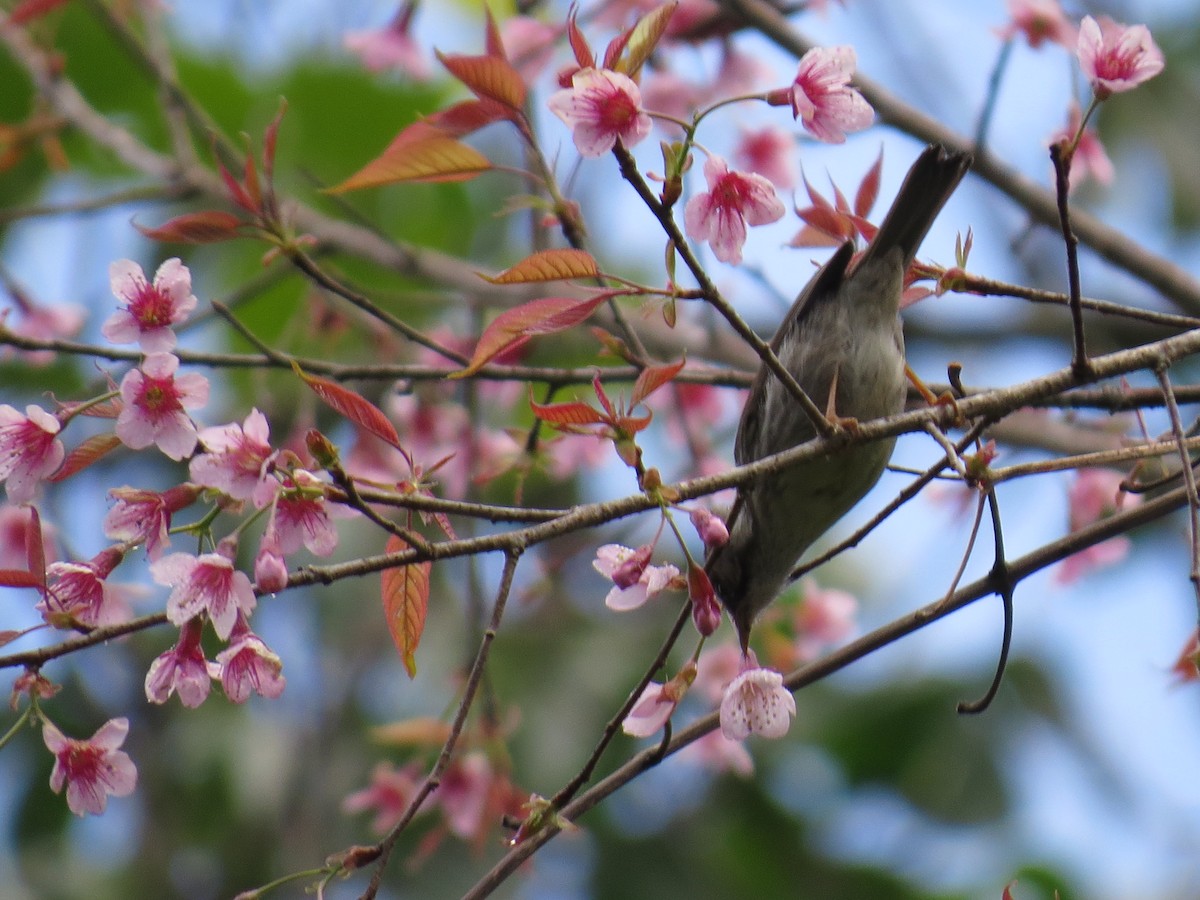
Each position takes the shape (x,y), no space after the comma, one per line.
(1080,779)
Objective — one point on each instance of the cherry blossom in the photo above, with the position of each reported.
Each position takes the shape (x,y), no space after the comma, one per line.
(248,664)
(733,200)
(302,517)
(182,669)
(770,152)
(653,580)
(821,97)
(825,617)
(711,528)
(529,44)
(30,450)
(391,47)
(756,702)
(463,793)
(92,769)
(1094,495)
(270,568)
(1116,57)
(204,584)
(601,107)
(1039,21)
(81,594)
(150,309)
(236,459)
(716,668)
(154,400)
(657,702)
(43,323)
(145,516)
(389,794)
(718,753)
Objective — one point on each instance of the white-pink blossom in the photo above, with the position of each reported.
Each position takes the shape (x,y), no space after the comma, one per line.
(182,669)
(1116,57)
(733,200)
(601,107)
(248,664)
(91,770)
(204,584)
(652,581)
(821,97)
(150,310)
(235,459)
(154,403)
(30,450)
(756,702)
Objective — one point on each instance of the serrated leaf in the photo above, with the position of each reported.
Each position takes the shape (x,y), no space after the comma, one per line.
(651,378)
(515,326)
(420,153)
(490,77)
(89,451)
(405,598)
(354,406)
(549,265)
(573,412)
(208,227)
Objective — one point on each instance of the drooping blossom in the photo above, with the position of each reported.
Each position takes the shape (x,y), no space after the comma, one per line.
(825,617)
(1094,495)
(1039,21)
(30,450)
(391,47)
(718,753)
(733,200)
(79,593)
(235,459)
(145,516)
(182,669)
(33,684)
(654,707)
(821,97)
(153,408)
(302,517)
(652,581)
(706,611)
(92,769)
(1116,57)
(1090,160)
(770,152)
(717,666)
(150,310)
(204,584)
(270,568)
(756,702)
(389,794)
(248,664)
(601,107)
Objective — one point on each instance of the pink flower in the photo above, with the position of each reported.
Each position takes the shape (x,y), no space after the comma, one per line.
(302,516)
(81,594)
(652,581)
(756,702)
(1116,57)
(529,44)
(204,584)
(1095,494)
(733,200)
(248,664)
(718,753)
(657,702)
(821,96)
(712,529)
(235,459)
(389,795)
(150,309)
(1039,21)
(140,515)
(463,793)
(1090,158)
(181,669)
(44,323)
(270,568)
(390,47)
(769,152)
(601,107)
(154,401)
(824,618)
(716,668)
(29,450)
(91,769)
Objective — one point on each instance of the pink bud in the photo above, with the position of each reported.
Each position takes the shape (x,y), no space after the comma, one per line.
(711,528)
(270,571)
(706,612)
(630,572)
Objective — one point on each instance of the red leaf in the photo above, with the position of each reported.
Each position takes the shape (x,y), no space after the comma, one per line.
(236,192)
(571,413)
(35,548)
(405,597)
(467,117)
(868,190)
(88,452)
(549,265)
(270,138)
(420,153)
(492,42)
(490,77)
(515,326)
(651,378)
(354,406)
(579,45)
(207,227)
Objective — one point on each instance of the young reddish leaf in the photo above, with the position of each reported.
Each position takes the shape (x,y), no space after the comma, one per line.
(250,180)
(612,53)
(405,603)
(467,117)
(601,396)
(645,37)
(549,265)
(427,157)
(491,77)
(515,326)
(579,45)
(651,378)
(236,192)
(35,547)
(492,42)
(19,578)
(868,190)
(355,407)
(570,413)
(208,227)
(88,452)
(270,138)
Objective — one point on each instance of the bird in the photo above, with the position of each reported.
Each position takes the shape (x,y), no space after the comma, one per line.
(843,343)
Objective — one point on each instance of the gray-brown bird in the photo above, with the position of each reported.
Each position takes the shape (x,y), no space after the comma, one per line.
(842,342)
